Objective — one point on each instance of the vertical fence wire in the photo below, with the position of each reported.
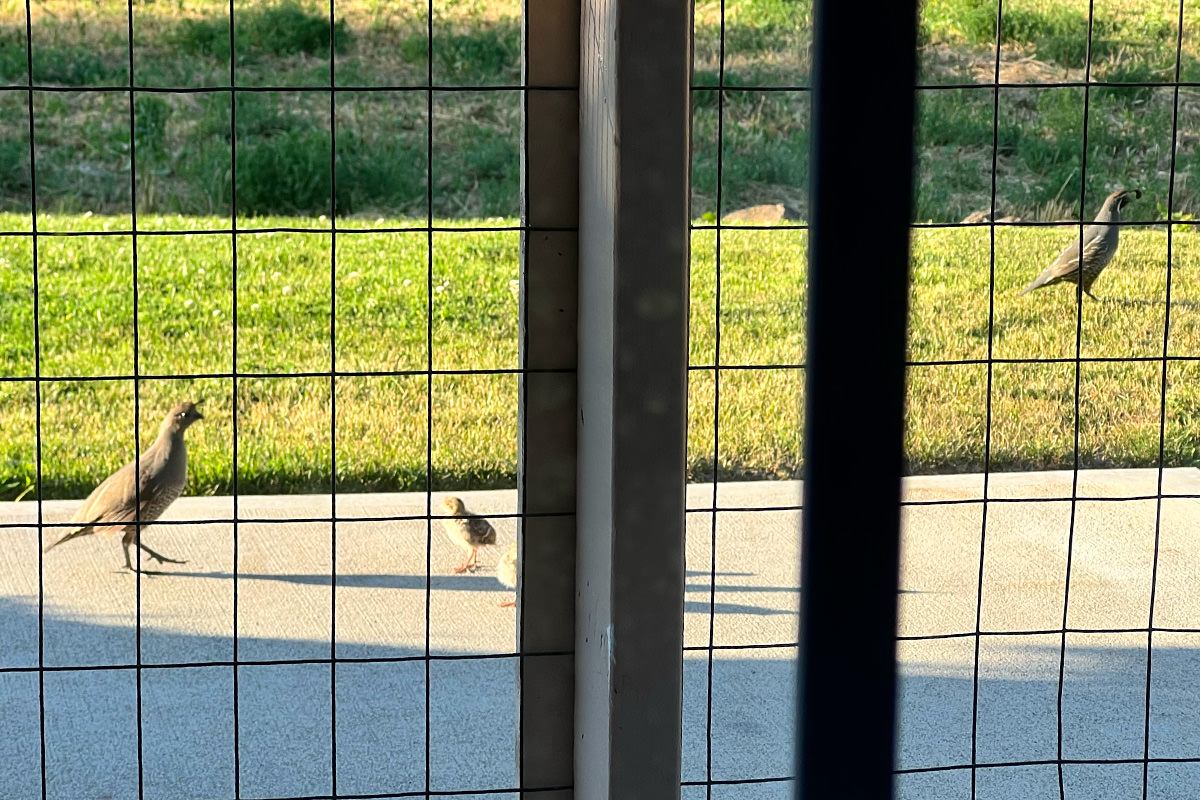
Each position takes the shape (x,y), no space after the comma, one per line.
(333,440)
(1078,367)
(719,364)
(1162,411)
(987,419)
(137,433)
(429,293)
(235,404)
(37,399)
(716,438)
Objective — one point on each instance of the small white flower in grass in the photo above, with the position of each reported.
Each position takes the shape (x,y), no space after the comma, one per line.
(407,282)
(254,306)
(216,312)
(276,276)
(200,272)
(287,290)
(353,274)
(439,289)
(380,221)
(189,303)
(322,218)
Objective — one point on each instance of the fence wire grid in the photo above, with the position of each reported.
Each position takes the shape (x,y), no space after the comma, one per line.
(750,670)
(952,742)
(309,685)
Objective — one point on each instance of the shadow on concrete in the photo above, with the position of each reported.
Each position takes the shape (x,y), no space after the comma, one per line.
(484,582)
(283,716)
(284,719)
(702,607)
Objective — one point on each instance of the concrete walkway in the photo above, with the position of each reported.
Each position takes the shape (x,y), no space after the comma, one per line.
(286,609)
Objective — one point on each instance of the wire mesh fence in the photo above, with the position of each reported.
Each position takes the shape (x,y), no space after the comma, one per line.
(241,203)
(316,222)
(1039,655)
(1060,681)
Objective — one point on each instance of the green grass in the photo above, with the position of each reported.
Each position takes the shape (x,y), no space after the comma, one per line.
(284,290)
(185,326)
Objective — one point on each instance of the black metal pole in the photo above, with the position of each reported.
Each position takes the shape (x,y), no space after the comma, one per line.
(864,58)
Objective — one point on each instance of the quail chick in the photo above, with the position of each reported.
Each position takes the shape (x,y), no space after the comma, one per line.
(138,493)
(1099,246)
(467,530)
(506,573)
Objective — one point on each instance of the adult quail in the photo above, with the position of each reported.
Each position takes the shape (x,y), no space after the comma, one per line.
(506,573)
(124,504)
(467,530)
(1099,246)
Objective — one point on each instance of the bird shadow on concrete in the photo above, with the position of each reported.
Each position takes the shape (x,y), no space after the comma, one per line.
(701,607)
(464,583)
(704,587)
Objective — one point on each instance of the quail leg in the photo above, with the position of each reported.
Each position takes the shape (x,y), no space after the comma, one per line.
(129,564)
(469,564)
(159,557)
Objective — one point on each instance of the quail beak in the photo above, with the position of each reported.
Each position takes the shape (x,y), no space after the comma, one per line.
(196,410)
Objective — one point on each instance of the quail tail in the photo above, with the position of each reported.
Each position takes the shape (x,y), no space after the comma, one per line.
(1037,283)
(75,534)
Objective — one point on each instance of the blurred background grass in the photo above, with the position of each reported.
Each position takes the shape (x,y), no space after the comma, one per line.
(183,140)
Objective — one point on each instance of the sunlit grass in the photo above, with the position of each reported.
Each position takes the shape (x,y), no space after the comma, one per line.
(294,423)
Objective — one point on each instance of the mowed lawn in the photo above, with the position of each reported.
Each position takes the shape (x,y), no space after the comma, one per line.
(294,423)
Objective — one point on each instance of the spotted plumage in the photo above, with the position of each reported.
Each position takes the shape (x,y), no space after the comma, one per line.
(466,530)
(1100,241)
(124,504)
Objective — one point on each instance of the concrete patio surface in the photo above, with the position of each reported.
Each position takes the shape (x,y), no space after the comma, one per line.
(287,609)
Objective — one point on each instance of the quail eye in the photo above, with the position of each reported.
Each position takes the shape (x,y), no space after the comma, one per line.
(181,414)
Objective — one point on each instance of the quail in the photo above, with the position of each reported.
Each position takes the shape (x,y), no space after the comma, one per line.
(1099,246)
(468,531)
(124,504)
(506,573)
